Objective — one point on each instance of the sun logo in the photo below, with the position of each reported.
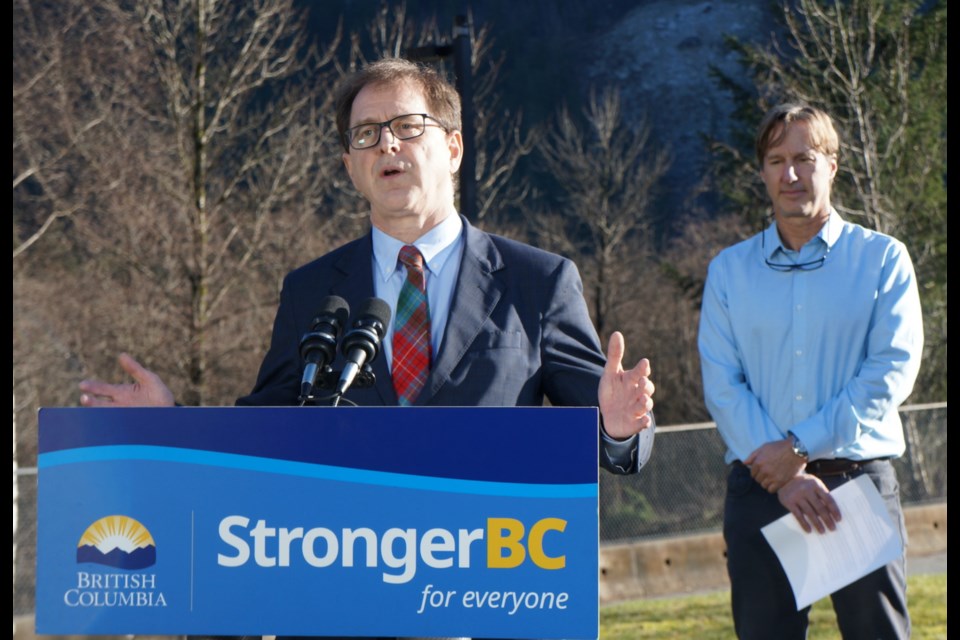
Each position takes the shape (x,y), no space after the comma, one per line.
(117,541)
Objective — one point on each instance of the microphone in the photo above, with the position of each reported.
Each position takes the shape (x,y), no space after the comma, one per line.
(318,347)
(361,344)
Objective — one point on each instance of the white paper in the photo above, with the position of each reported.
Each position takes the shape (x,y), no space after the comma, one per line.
(817,564)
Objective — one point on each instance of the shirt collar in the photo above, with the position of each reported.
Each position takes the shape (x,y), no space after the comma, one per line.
(829,234)
(432,246)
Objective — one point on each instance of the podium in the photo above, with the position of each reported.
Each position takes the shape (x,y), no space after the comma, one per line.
(347,521)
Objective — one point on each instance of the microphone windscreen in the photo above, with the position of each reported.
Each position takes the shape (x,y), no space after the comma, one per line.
(376,309)
(336,307)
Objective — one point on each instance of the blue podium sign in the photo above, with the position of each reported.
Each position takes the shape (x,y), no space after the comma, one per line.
(318,521)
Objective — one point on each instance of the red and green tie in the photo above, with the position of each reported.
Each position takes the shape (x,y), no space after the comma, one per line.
(411,332)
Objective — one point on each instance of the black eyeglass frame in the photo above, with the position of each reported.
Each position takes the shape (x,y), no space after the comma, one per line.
(349,134)
(811,265)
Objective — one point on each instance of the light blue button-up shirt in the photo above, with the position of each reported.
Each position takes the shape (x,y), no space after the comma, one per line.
(442,249)
(829,353)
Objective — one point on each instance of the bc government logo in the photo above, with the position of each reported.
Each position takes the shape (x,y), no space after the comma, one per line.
(124,549)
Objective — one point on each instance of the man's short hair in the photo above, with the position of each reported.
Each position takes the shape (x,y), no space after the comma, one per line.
(823,134)
(443,101)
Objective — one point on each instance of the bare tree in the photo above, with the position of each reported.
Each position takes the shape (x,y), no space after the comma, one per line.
(219,145)
(248,151)
(42,155)
(502,141)
(607,173)
(63,105)
(172,160)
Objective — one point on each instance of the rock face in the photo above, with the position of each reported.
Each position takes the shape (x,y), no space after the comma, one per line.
(659,56)
(657,52)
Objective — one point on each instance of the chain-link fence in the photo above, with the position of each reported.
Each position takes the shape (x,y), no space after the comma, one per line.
(679,492)
(682,488)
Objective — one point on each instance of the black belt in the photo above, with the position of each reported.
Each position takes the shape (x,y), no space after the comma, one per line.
(833,466)
(838,466)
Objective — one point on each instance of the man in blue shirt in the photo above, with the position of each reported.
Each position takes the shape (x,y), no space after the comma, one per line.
(810,339)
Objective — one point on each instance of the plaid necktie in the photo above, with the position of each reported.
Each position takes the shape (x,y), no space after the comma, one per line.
(411,331)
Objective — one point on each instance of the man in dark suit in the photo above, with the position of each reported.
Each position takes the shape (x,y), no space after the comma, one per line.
(507,324)
(501,323)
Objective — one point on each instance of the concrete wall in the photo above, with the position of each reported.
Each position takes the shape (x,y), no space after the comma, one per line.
(676,565)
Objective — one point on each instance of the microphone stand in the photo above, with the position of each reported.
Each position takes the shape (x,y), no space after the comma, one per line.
(328,378)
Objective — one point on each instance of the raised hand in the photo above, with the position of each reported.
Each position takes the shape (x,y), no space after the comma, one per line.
(146,390)
(626,397)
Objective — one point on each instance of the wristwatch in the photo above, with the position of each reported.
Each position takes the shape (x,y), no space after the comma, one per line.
(798,448)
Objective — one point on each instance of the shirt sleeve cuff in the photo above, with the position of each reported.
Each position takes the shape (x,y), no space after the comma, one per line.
(621,453)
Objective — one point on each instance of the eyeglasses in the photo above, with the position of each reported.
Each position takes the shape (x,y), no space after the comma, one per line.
(791,266)
(405,127)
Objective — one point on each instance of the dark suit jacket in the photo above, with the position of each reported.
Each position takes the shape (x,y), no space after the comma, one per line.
(518,330)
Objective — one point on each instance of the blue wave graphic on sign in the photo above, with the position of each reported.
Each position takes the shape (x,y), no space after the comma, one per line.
(326,472)
(366,438)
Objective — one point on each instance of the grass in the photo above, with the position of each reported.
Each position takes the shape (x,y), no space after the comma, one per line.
(707,616)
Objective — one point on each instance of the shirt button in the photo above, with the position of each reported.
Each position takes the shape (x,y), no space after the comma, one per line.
(799,397)
(799,352)
(799,307)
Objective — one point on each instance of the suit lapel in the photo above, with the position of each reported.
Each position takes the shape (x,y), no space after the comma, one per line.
(353,281)
(475,295)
